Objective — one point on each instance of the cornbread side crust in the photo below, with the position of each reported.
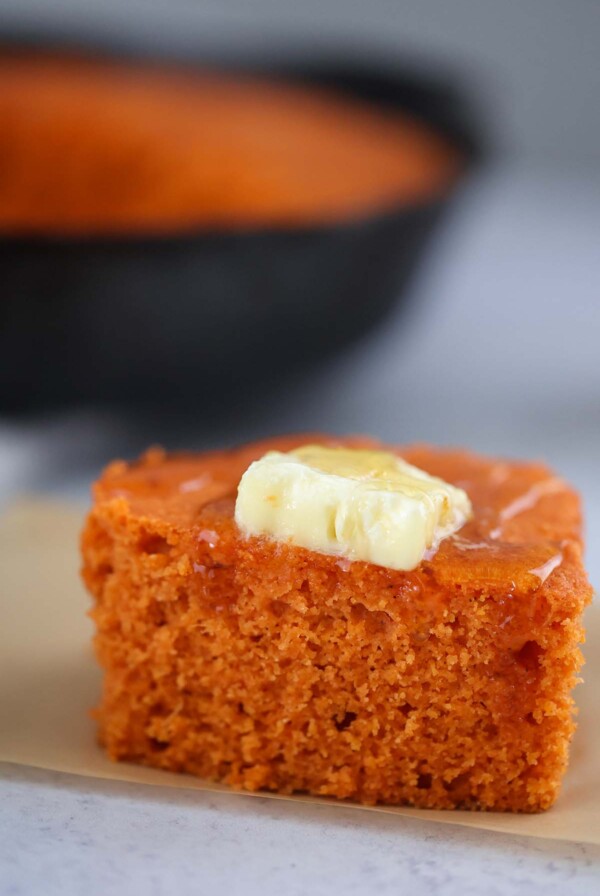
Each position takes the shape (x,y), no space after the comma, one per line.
(268,666)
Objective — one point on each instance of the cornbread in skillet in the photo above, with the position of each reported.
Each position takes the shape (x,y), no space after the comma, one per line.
(163,148)
(155,149)
(265,665)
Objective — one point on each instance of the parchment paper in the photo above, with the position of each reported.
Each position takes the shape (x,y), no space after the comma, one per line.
(49,681)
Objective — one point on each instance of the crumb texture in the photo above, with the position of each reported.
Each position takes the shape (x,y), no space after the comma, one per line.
(271,667)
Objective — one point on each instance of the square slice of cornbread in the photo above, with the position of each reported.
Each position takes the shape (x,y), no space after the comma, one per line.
(265,665)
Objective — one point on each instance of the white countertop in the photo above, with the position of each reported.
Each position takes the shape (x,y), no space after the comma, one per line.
(499,352)
(66,836)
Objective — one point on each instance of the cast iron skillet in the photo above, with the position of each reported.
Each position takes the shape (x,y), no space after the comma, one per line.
(165,319)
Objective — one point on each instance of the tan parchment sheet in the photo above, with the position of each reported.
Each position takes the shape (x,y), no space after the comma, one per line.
(49,681)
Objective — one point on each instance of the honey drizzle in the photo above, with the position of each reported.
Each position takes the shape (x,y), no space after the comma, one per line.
(543,571)
(527,501)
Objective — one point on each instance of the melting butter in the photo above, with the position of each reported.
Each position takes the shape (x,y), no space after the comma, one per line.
(352,503)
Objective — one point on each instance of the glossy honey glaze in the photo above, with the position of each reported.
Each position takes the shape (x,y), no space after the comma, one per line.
(526,520)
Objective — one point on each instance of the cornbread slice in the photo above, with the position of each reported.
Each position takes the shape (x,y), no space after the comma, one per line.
(266,665)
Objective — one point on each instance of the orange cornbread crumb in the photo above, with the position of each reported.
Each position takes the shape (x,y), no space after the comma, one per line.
(269,666)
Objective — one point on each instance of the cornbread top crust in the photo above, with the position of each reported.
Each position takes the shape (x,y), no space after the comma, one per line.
(526,522)
(153,149)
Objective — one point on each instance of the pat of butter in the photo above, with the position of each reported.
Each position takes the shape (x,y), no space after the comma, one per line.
(356,504)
